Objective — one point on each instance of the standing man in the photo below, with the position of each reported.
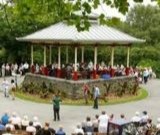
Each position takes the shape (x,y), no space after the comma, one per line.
(13,89)
(5,85)
(85,92)
(95,96)
(56,107)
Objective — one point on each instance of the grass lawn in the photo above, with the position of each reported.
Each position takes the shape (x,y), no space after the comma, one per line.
(142,93)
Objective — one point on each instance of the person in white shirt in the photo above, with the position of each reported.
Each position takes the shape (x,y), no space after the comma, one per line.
(96,96)
(5,85)
(8,131)
(144,117)
(95,124)
(26,67)
(36,122)
(10,125)
(25,122)
(16,120)
(31,128)
(103,123)
(3,70)
(158,124)
(79,130)
(136,118)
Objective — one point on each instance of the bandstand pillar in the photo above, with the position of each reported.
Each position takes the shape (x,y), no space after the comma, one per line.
(45,70)
(67,55)
(59,62)
(112,62)
(32,55)
(82,55)
(127,68)
(95,62)
(75,74)
(32,61)
(50,54)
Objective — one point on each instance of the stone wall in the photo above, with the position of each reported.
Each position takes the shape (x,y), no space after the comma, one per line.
(116,85)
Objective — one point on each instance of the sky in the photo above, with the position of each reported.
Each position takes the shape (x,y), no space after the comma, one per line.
(112,12)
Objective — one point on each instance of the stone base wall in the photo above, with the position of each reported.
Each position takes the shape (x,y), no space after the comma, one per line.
(118,85)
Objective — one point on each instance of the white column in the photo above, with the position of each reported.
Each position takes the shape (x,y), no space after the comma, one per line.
(75,59)
(82,55)
(128,51)
(112,57)
(32,55)
(95,57)
(45,49)
(59,57)
(67,54)
(50,54)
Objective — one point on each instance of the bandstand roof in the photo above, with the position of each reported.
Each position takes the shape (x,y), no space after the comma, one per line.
(61,33)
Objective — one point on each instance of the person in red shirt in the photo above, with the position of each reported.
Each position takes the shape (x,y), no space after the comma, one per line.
(86,92)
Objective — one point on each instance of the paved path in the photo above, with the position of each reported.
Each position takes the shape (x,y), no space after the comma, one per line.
(71,115)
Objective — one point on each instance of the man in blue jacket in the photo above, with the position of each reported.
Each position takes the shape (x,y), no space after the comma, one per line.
(5,119)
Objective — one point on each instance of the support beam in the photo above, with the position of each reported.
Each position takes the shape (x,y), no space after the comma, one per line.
(128,53)
(112,62)
(112,57)
(59,62)
(82,55)
(95,62)
(127,68)
(32,62)
(45,70)
(50,54)
(67,55)
(75,76)
(45,58)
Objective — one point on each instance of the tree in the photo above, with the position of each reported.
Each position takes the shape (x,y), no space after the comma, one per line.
(144,22)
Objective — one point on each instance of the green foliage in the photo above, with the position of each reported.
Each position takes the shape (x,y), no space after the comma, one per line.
(27,16)
(144,22)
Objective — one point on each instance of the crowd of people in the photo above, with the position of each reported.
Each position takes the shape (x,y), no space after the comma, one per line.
(12,69)
(13,124)
(85,70)
(139,124)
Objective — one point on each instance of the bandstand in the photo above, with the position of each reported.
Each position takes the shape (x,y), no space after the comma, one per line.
(63,35)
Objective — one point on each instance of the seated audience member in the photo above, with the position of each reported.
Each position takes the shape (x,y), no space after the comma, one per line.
(2,127)
(79,130)
(8,131)
(36,122)
(122,118)
(60,131)
(10,125)
(149,126)
(25,122)
(111,117)
(103,123)
(158,124)
(144,118)
(136,118)
(16,121)
(95,124)
(5,118)
(88,126)
(31,129)
(46,130)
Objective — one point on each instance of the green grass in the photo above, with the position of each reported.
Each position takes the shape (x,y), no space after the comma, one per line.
(142,94)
